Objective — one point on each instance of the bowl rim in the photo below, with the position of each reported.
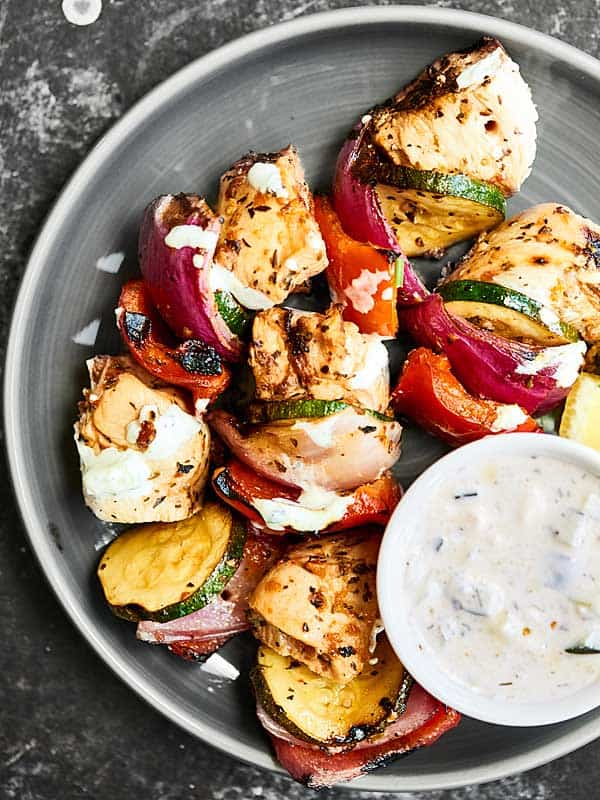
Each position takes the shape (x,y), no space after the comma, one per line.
(391,585)
(44,549)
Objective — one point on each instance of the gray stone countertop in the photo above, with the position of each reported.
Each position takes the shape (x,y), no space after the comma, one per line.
(68,727)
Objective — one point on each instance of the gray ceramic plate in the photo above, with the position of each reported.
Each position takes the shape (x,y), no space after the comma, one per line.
(305,82)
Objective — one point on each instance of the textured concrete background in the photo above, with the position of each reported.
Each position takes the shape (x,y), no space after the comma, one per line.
(68,728)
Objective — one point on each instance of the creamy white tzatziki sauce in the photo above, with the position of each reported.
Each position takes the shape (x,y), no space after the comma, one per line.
(504,577)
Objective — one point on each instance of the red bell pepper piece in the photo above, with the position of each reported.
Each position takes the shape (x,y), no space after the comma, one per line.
(191,364)
(361,277)
(238,485)
(430,395)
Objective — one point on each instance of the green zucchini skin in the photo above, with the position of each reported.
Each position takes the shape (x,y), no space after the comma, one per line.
(275,411)
(355,735)
(211,588)
(236,317)
(498,295)
(451,184)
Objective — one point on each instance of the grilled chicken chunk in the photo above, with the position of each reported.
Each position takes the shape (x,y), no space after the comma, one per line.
(550,254)
(143,457)
(469,112)
(296,354)
(270,244)
(319,606)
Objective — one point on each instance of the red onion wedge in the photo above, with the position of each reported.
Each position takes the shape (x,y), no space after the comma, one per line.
(337,452)
(536,378)
(178,238)
(360,213)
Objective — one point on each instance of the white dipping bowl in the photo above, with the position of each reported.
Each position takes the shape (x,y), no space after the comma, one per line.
(402,634)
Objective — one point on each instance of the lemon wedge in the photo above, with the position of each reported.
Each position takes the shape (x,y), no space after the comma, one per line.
(581,417)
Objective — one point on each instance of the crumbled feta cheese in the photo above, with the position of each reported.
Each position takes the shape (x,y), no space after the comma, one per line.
(361,291)
(173,429)
(564,361)
(147,414)
(266,178)
(508,418)
(219,666)
(314,510)
(191,236)
(110,263)
(221,278)
(113,472)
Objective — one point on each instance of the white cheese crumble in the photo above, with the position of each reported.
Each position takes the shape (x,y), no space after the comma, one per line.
(224,279)
(118,473)
(173,429)
(476,73)
(113,472)
(361,291)
(219,666)
(110,263)
(201,405)
(314,510)
(191,236)
(88,334)
(508,418)
(147,414)
(266,178)
(564,361)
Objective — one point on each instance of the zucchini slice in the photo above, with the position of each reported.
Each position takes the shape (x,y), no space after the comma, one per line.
(236,317)
(506,312)
(274,411)
(163,571)
(318,710)
(429,211)
(448,184)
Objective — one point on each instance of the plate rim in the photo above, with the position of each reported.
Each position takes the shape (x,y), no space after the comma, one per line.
(45,550)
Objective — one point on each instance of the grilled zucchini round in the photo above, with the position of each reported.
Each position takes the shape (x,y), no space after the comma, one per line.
(163,571)
(506,312)
(318,710)
(429,211)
